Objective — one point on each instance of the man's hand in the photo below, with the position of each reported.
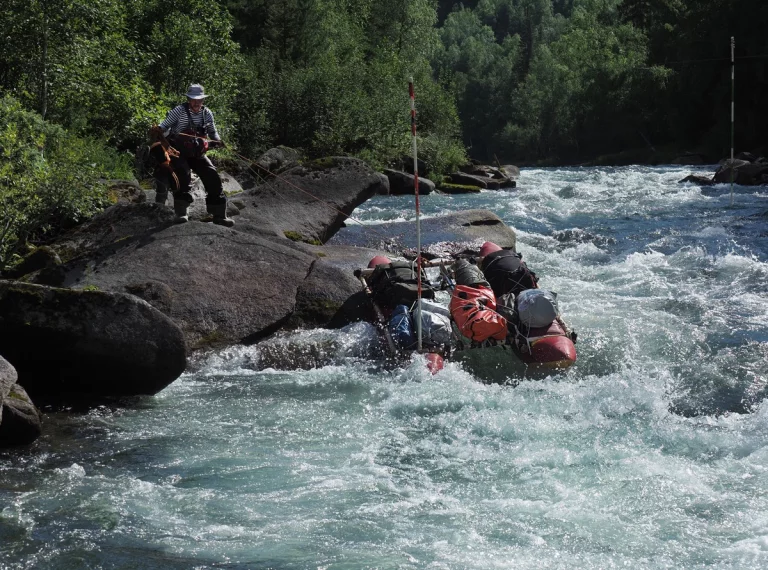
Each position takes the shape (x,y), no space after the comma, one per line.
(216,144)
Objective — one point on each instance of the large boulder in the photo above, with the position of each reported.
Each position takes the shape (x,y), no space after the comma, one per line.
(41,258)
(63,341)
(8,377)
(198,210)
(462,232)
(275,161)
(403,183)
(510,171)
(308,203)
(742,172)
(331,295)
(473,180)
(220,285)
(503,176)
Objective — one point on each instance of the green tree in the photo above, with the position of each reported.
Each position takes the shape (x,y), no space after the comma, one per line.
(480,72)
(581,94)
(74,63)
(189,41)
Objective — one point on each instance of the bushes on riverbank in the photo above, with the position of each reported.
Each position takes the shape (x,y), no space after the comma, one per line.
(49,178)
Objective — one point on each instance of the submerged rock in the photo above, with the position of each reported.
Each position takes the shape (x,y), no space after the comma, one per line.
(463,232)
(699,180)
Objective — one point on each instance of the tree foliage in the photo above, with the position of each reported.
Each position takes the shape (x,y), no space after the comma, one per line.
(49,178)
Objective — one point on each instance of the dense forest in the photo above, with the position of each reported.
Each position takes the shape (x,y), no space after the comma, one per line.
(521,81)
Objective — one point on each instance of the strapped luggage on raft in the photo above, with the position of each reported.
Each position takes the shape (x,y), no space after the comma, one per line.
(506,271)
(396,284)
(473,309)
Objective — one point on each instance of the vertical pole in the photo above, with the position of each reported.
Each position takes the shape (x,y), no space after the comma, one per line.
(733,74)
(418,212)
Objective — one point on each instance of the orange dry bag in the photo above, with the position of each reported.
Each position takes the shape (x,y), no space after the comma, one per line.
(473,311)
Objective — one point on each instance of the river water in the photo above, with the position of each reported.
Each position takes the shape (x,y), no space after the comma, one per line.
(651,452)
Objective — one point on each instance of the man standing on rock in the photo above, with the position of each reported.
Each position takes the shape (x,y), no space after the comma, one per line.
(191,130)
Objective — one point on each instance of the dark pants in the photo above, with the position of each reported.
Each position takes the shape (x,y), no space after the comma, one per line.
(204,168)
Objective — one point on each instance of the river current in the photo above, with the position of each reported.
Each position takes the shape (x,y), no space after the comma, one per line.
(651,452)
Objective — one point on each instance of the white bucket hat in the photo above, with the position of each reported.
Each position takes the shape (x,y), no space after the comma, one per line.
(196,91)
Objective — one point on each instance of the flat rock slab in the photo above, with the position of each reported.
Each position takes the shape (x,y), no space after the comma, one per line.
(443,234)
(62,341)
(310,202)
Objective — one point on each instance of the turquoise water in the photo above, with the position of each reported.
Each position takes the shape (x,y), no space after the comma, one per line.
(651,452)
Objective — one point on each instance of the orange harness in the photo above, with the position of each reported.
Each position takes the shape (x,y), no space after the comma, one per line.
(162,151)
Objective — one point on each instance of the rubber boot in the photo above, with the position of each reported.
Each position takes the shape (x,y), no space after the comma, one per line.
(219,213)
(161,197)
(181,207)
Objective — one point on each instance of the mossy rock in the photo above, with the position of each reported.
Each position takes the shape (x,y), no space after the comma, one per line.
(38,258)
(322,163)
(213,339)
(317,312)
(296,236)
(449,188)
(17,396)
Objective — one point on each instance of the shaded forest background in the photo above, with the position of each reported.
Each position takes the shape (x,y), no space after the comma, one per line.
(561,81)
(519,81)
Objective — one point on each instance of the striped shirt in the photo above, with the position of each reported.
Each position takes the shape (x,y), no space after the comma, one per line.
(177,121)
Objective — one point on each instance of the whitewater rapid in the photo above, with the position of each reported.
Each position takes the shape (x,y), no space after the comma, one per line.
(651,452)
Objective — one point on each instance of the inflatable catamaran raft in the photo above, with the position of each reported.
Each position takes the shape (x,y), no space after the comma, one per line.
(495,303)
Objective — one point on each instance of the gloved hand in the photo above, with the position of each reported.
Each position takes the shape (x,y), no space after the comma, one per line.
(216,144)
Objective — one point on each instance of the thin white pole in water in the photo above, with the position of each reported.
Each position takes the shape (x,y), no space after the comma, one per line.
(418,213)
(733,74)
